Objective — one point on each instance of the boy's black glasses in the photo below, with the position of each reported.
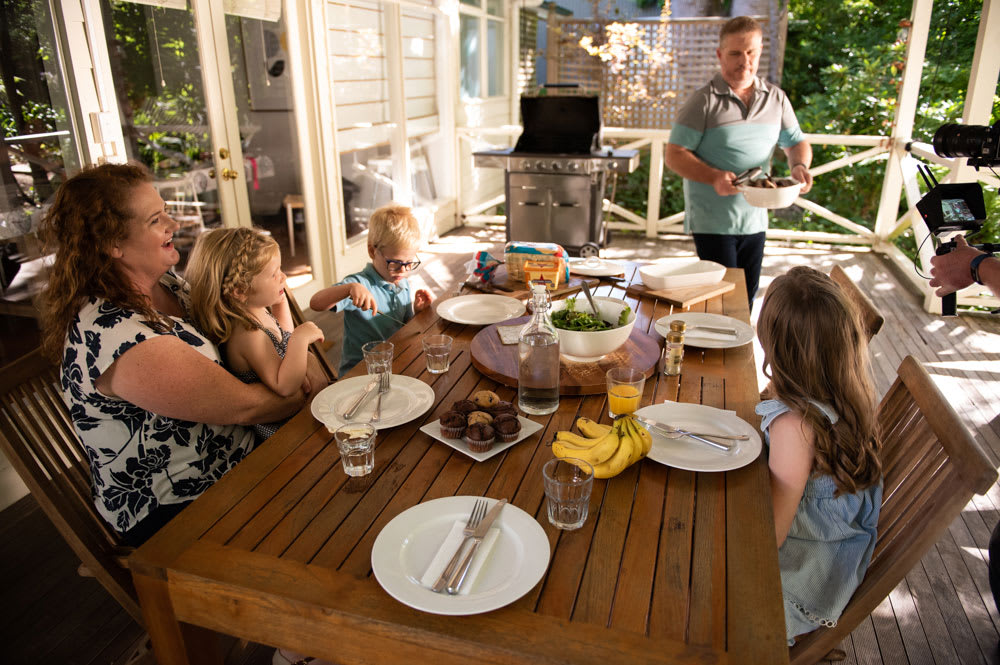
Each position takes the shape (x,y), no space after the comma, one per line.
(395,265)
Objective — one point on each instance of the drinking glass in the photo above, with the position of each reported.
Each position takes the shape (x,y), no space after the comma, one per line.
(378,357)
(567,490)
(437,351)
(356,443)
(624,390)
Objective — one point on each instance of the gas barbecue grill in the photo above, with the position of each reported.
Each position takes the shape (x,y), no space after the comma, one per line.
(555,174)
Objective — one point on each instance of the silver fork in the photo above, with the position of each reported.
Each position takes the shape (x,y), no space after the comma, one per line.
(478,512)
(383,387)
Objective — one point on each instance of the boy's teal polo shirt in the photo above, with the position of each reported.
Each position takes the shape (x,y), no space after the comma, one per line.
(716,126)
(361,326)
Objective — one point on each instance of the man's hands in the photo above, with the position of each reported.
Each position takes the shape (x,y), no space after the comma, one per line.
(950,272)
(422,299)
(722,181)
(801,173)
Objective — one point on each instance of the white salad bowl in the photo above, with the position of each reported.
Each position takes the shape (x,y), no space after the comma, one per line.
(778,197)
(681,272)
(587,346)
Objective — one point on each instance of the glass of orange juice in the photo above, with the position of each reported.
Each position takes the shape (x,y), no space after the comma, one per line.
(624,390)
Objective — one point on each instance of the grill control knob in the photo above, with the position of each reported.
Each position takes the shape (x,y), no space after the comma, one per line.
(526,165)
(556,166)
(573,166)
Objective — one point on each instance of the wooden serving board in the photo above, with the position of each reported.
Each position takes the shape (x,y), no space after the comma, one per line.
(521,290)
(499,362)
(684,297)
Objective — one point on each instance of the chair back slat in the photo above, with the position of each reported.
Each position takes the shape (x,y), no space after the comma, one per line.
(298,318)
(931,468)
(37,438)
(871,318)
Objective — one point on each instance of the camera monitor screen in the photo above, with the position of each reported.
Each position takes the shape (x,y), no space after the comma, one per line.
(953,207)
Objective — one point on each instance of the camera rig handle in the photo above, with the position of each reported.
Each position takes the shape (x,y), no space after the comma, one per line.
(949,302)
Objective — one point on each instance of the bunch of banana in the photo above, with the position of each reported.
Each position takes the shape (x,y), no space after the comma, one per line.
(610,449)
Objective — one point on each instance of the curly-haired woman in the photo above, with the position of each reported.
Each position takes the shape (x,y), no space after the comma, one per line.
(159,416)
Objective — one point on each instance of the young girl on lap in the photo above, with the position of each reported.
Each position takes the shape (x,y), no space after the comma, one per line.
(238,301)
(826,476)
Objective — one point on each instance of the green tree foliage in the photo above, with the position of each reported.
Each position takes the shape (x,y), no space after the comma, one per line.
(842,71)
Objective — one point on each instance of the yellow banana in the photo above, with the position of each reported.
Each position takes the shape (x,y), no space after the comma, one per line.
(617,462)
(591,428)
(635,440)
(578,441)
(603,450)
(644,436)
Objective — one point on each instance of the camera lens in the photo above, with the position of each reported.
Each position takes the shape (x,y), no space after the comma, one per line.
(960,140)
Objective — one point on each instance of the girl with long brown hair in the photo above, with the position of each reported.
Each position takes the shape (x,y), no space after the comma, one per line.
(826,476)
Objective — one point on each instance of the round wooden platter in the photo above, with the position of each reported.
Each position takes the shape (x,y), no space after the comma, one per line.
(498,361)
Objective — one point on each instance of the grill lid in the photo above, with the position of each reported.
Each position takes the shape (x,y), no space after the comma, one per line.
(560,125)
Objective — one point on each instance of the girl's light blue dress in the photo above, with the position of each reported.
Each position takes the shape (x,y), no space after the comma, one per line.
(829,545)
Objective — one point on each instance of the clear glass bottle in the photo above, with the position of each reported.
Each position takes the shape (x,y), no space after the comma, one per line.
(538,359)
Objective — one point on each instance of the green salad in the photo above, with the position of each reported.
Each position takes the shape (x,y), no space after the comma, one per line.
(570,319)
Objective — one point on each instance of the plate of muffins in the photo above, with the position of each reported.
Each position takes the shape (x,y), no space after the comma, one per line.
(481,426)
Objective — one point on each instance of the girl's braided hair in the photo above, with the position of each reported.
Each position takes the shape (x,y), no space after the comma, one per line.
(220,271)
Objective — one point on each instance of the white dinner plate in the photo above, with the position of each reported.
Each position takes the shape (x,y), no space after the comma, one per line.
(480,310)
(407,398)
(685,453)
(407,544)
(744,331)
(528,427)
(596,267)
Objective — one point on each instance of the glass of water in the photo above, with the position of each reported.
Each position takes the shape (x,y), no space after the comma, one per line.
(567,489)
(356,443)
(378,357)
(437,351)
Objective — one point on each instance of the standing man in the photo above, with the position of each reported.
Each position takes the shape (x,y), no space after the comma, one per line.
(730,125)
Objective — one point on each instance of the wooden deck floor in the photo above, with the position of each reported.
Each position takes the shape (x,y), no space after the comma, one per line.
(943,613)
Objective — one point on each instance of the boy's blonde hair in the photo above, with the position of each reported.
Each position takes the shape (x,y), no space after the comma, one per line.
(394,225)
(222,266)
(816,349)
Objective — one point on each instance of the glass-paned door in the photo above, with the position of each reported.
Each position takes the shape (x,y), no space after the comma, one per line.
(38,147)
(165,84)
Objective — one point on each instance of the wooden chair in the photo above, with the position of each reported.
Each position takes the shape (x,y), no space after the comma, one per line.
(871,319)
(37,437)
(298,318)
(931,467)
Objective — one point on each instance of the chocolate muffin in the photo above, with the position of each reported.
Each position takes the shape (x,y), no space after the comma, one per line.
(480,437)
(465,406)
(486,399)
(503,407)
(507,427)
(453,424)
(479,417)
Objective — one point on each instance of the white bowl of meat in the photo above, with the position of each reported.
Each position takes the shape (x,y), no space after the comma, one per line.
(681,272)
(771,192)
(586,338)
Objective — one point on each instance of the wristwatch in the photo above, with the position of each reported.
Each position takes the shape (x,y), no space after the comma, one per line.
(974,267)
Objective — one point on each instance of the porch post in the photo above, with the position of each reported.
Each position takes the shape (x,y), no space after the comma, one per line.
(402,188)
(902,126)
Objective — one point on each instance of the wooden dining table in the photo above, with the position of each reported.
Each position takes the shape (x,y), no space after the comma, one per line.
(671,566)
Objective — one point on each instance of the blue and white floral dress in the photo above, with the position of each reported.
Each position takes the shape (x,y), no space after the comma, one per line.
(829,545)
(138,459)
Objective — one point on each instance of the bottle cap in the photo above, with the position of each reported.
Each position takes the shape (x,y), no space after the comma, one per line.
(678,326)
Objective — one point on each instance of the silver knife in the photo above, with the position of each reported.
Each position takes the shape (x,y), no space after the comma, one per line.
(713,329)
(455,583)
(361,399)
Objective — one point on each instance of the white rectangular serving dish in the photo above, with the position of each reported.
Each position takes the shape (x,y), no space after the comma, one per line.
(681,273)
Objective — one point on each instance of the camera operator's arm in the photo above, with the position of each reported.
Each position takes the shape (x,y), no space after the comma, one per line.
(951,272)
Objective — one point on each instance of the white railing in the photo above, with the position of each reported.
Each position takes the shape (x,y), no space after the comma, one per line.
(855,232)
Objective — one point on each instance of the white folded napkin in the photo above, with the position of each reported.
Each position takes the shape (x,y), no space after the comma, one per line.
(707,410)
(698,333)
(447,550)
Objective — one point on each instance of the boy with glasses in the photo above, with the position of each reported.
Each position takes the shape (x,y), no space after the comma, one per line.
(378,300)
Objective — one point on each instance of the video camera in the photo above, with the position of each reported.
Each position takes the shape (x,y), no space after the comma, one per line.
(951,207)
